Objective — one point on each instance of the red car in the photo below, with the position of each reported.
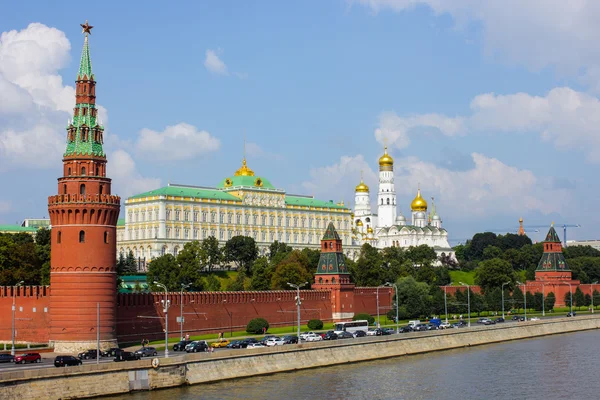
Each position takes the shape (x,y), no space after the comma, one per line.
(28,357)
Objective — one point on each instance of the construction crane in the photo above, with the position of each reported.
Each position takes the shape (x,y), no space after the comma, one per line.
(564,226)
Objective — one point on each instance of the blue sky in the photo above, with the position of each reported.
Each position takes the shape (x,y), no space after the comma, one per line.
(493,108)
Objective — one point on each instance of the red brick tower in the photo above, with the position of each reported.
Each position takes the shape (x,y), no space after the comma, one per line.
(332,274)
(84,217)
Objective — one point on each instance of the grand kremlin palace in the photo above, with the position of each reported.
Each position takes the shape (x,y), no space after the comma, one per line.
(161,221)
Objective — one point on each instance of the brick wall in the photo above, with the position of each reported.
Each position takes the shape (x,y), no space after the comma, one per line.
(32,319)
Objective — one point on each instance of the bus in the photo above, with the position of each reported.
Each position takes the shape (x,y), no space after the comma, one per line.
(352,326)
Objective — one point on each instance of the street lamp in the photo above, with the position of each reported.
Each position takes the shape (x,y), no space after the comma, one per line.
(468,301)
(571,293)
(183,287)
(298,302)
(592,294)
(446,302)
(14,308)
(504,284)
(396,292)
(543,301)
(166,302)
(377,295)
(524,298)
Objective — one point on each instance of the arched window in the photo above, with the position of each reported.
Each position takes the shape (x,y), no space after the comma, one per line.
(69,171)
(333,281)
(81,236)
(101,187)
(82,170)
(97,171)
(65,188)
(388,201)
(82,189)
(105,237)
(58,237)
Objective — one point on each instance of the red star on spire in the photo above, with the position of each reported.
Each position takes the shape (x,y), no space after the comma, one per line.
(87,28)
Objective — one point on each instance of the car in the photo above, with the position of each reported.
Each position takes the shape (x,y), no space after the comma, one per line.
(345,335)
(489,322)
(28,358)
(274,341)
(146,352)
(290,339)
(267,337)
(360,334)
(329,335)
(421,328)
(516,318)
(197,346)
(110,352)
(220,343)
(88,354)
(126,356)
(372,332)
(67,361)
(459,324)
(313,337)
(256,345)
(4,358)
(484,321)
(445,325)
(406,329)
(499,319)
(180,346)
(432,327)
(247,342)
(235,344)
(571,314)
(304,335)
(534,319)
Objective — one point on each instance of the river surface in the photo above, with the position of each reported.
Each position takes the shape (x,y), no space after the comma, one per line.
(554,367)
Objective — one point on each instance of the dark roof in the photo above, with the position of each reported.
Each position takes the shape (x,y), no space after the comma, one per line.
(331,233)
(552,236)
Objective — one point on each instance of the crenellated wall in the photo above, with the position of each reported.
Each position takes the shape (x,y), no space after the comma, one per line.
(32,318)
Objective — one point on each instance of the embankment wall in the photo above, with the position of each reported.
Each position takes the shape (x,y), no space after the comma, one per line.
(106,379)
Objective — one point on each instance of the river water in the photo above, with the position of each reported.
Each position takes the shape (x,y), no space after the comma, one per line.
(554,367)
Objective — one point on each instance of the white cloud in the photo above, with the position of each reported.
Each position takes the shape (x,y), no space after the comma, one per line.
(40,146)
(127,181)
(489,188)
(254,150)
(214,64)
(534,33)
(567,118)
(177,142)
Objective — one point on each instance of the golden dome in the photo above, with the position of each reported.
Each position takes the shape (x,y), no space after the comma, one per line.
(244,170)
(362,188)
(386,160)
(419,203)
(369,230)
(359,223)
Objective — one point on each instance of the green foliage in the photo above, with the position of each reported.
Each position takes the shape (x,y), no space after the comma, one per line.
(22,259)
(278,251)
(467,277)
(567,299)
(130,264)
(476,246)
(165,270)
(422,255)
(580,251)
(238,284)
(315,324)
(368,271)
(261,275)
(491,252)
(257,326)
(493,273)
(414,296)
(579,298)
(212,283)
(517,298)
(211,255)
(550,301)
(43,237)
(585,268)
(364,316)
(242,251)
(293,269)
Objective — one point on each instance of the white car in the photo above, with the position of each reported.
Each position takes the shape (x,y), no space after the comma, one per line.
(305,334)
(445,325)
(371,332)
(255,346)
(534,319)
(274,341)
(313,337)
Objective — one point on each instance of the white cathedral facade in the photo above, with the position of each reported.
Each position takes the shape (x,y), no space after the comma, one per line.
(389,227)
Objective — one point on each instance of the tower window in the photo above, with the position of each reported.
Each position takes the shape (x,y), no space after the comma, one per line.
(388,201)
(101,187)
(82,189)
(58,237)
(69,171)
(82,170)
(97,171)
(105,237)
(65,188)
(81,236)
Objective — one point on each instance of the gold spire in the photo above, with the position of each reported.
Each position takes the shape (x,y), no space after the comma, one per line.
(386,161)
(419,203)
(244,170)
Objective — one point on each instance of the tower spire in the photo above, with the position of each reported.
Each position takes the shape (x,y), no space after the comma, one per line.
(85,64)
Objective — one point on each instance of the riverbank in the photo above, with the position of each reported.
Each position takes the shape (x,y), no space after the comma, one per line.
(113,378)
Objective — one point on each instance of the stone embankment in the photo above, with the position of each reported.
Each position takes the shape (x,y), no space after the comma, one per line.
(112,378)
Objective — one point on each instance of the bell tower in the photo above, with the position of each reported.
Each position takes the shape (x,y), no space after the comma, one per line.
(84,216)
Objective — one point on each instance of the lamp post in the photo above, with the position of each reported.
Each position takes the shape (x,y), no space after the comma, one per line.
(543,301)
(504,284)
(183,287)
(166,311)
(571,293)
(377,295)
(524,298)
(396,292)
(14,309)
(468,301)
(97,333)
(592,294)
(446,302)
(298,302)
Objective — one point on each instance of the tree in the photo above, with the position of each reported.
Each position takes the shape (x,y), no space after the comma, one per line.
(257,325)
(315,324)
(579,298)
(567,299)
(479,242)
(550,301)
(422,255)
(364,316)
(517,298)
(164,269)
(537,301)
(477,302)
(367,270)
(312,259)
(242,251)
(121,265)
(291,269)
(491,252)
(512,241)
(278,251)
(588,300)
(130,264)
(580,251)
(43,237)
(212,283)
(414,297)
(595,298)
(211,253)
(261,275)
(493,273)
(238,284)
(493,299)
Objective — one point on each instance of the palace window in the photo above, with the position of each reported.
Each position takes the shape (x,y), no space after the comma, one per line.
(220,234)
(238,219)
(195,233)
(169,233)
(195,216)
(263,220)
(247,219)
(295,222)
(186,233)
(177,215)
(177,233)
(264,236)
(213,217)
(221,218)
(229,233)
(229,218)
(272,220)
(168,214)
(204,216)
(186,216)
(287,221)
(255,219)
(280,220)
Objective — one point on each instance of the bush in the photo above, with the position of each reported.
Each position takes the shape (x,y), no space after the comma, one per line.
(315,324)
(257,325)
(363,316)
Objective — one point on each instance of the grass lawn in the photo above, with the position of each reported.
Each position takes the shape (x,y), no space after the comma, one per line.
(467,277)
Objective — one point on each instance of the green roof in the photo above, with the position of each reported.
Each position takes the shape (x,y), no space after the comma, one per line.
(188,191)
(331,263)
(121,222)
(311,202)
(552,236)
(17,228)
(134,278)
(331,233)
(246,181)
(85,64)
(552,262)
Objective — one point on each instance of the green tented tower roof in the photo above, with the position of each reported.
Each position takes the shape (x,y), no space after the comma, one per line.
(331,233)
(552,236)
(553,258)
